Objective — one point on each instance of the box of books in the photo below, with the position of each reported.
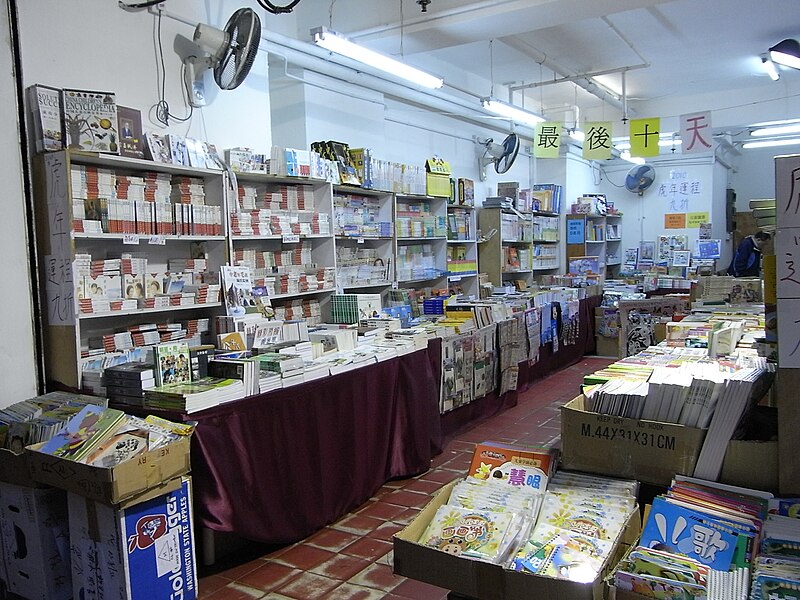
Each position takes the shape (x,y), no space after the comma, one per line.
(108,456)
(467,573)
(34,535)
(132,552)
(649,451)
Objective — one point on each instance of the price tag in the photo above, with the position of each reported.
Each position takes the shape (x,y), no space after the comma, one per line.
(360,241)
(458,278)
(130,238)
(394,285)
(291,238)
(157,240)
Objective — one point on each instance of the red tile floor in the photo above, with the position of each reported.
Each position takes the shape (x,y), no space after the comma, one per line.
(351,559)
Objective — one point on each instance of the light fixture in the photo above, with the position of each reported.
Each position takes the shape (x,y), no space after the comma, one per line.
(626,155)
(778,130)
(510,111)
(664,142)
(786,53)
(771,143)
(770,68)
(330,40)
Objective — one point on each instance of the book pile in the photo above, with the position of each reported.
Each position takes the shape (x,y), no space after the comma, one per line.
(40,418)
(308,310)
(126,383)
(193,396)
(188,190)
(699,541)
(577,527)
(245,369)
(776,571)
(89,186)
(256,258)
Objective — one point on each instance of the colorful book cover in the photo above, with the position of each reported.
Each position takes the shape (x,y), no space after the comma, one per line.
(237,285)
(563,554)
(691,533)
(157,148)
(44,104)
(131,139)
(90,120)
(475,534)
(659,588)
(529,466)
(172,361)
(84,432)
(118,448)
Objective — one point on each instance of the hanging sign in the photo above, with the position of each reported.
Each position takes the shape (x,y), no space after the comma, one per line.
(597,145)
(644,136)
(696,132)
(547,139)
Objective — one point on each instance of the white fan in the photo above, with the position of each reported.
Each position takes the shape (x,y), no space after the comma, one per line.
(230,52)
(502,156)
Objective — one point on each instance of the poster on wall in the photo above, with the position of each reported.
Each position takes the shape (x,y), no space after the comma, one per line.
(675,221)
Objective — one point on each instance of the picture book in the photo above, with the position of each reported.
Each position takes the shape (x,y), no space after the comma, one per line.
(237,285)
(118,448)
(157,149)
(131,139)
(84,432)
(527,465)
(44,106)
(172,363)
(90,120)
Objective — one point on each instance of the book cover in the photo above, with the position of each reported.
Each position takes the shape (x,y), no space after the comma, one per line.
(118,448)
(44,104)
(231,341)
(172,362)
(90,120)
(157,149)
(131,139)
(531,465)
(237,285)
(84,432)
(179,154)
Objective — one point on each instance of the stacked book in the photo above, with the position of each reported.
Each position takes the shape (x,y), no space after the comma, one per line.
(193,396)
(126,383)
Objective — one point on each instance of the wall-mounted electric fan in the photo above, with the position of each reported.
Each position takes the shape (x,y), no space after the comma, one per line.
(502,155)
(639,178)
(230,52)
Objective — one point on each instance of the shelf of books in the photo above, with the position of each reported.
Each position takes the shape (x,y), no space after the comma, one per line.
(507,255)
(462,249)
(122,241)
(613,244)
(421,241)
(586,238)
(281,230)
(363,224)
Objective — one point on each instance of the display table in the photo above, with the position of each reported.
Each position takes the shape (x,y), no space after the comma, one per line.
(278,466)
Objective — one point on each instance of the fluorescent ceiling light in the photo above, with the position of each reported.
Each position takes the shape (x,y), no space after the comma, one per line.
(770,68)
(512,112)
(786,53)
(770,143)
(577,135)
(626,155)
(780,130)
(330,40)
(610,83)
(662,143)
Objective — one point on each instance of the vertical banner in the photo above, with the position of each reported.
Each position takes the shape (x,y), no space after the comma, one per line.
(597,145)
(644,136)
(787,258)
(547,140)
(696,133)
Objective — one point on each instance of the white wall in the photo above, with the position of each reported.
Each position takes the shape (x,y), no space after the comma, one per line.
(754,176)
(17,355)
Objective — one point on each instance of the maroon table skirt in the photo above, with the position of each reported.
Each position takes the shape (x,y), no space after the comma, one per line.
(278,466)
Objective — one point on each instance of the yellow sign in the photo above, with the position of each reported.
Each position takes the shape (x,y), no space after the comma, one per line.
(597,145)
(644,136)
(547,139)
(675,221)
(695,219)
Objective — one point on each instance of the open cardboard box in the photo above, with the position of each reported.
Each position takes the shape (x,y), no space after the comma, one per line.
(488,581)
(648,451)
(113,485)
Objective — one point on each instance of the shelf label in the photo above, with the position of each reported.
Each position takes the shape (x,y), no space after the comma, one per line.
(360,241)
(130,238)
(395,285)
(455,278)
(290,238)
(157,240)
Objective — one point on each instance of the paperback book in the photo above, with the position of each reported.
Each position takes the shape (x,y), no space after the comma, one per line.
(84,432)
(44,105)
(90,120)
(131,139)
(172,363)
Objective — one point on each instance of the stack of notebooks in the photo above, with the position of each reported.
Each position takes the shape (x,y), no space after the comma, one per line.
(776,572)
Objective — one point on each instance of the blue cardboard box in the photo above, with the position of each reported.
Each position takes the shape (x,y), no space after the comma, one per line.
(143,551)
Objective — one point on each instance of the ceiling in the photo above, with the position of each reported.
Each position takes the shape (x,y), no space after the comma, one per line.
(672,51)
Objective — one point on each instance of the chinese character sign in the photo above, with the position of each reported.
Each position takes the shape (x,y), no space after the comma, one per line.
(787,258)
(644,136)
(696,133)
(547,139)
(597,145)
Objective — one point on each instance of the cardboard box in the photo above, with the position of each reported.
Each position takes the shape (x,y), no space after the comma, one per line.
(34,535)
(649,451)
(485,580)
(115,484)
(607,346)
(15,468)
(141,552)
(751,464)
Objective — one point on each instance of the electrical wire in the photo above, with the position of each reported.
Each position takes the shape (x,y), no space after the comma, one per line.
(139,4)
(275,9)
(162,113)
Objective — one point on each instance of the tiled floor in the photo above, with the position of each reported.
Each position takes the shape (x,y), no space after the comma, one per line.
(352,558)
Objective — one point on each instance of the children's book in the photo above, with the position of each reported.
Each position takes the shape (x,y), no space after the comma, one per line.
(44,105)
(90,120)
(131,139)
(84,432)
(172,363)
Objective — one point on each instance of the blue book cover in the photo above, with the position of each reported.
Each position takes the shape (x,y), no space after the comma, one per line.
(690,533)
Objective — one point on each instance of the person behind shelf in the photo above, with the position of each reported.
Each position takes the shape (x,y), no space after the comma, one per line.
(747,259)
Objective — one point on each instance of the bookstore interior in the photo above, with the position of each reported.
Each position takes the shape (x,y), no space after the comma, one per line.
(265,275)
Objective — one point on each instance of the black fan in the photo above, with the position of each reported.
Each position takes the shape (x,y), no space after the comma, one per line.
(501,155)
(230,52)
